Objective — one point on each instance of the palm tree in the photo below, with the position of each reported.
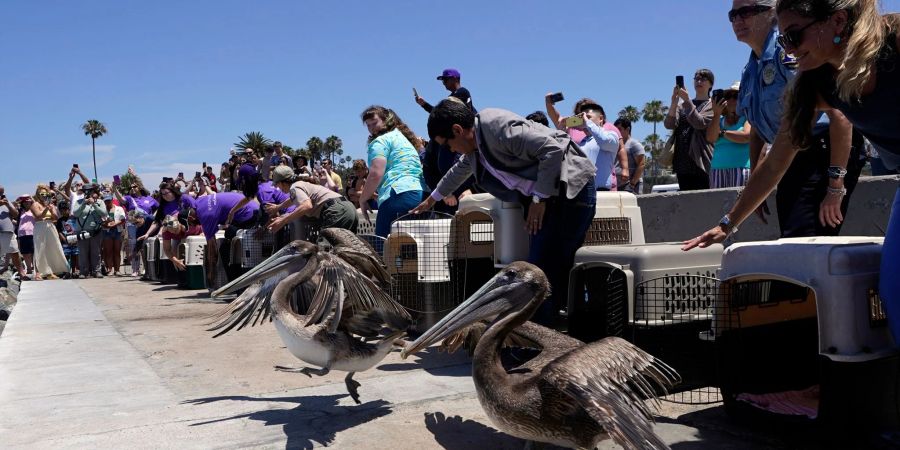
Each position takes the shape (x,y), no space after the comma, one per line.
(654,112)
(94,128)
(631,113)
(653,144)
(253,140)
(333,146)
(315,146)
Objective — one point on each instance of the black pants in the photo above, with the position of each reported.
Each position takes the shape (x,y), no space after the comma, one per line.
(691,182)
(232,271)
(805,185)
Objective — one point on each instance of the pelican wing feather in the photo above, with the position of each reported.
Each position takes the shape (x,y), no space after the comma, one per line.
(610,379)
(362,297)
(253,306)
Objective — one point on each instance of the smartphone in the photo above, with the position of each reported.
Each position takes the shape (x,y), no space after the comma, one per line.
(117,179)
(679,81)
(52,184)
(556,98)
(717,94)
(196,174)
(74,166)
(204,165)
(574,122)
(180,174)
(415,93)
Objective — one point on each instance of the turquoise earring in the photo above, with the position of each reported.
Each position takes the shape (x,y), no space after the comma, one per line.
(836,40)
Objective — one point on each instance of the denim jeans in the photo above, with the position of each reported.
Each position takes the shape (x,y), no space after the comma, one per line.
(553,248)
(395,206)
(889,282)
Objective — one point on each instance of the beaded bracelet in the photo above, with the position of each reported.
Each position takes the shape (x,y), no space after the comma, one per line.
(837,191)
(836,172)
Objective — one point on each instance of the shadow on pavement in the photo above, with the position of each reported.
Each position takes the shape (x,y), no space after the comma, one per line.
(454,433)
(315,421)
(436,363)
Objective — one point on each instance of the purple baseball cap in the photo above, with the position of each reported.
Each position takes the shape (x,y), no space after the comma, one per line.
(246,171)
(449,73)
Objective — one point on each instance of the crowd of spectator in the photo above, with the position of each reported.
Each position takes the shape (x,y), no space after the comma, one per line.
(550,163)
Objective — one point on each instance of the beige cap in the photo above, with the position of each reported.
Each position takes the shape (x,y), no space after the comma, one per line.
(282,173)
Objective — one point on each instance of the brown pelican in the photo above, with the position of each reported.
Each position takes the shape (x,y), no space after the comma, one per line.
(570,394)
(345,304)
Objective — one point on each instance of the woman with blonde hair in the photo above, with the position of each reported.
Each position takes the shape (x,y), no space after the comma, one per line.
(49,258)
(395,171)
(847,55)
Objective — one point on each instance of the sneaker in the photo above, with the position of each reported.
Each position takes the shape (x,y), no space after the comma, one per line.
(51,277)
(98,275)
(135,274)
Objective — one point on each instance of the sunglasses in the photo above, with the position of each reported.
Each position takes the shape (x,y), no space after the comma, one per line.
(746,12)
(794,38)
(701,78)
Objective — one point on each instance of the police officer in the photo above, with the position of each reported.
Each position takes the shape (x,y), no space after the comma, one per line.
(814,192)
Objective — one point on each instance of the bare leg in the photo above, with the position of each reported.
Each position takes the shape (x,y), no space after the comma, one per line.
(352,386)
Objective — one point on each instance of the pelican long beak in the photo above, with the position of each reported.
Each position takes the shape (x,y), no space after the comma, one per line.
(263,270)
(491,300)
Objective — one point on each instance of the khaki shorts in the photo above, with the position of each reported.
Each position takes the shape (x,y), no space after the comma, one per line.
(8,244)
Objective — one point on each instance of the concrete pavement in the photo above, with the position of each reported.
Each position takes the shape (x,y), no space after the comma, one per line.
(118,363)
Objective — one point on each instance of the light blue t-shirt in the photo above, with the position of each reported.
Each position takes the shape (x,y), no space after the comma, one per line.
(762,86)
(601,145)
(403,170)
(731,155)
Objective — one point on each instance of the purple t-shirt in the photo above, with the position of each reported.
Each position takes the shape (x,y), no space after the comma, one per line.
(212,211)
(268,193)
(170,208)
(147,204)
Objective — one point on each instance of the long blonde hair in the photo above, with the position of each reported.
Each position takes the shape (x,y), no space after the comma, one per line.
(865,34)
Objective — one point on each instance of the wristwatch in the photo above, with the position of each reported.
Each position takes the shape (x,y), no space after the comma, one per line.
(727,226)
(536,199)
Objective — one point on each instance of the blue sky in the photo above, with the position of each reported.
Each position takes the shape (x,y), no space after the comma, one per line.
(176,82)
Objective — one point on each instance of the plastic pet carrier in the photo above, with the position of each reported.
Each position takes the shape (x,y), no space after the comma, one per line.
(474,243)
(305,229)
(801,335)
(488,218)
(192,251)
(617,220)
(654,295)
(417,255)
(151,253)
(365,227)
(165,268)
(255,245)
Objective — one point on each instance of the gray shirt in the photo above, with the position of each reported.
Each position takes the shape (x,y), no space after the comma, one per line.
(633,148)
(6,224)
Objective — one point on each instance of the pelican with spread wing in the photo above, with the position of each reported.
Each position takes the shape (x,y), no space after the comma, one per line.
(570,393)
(342,281)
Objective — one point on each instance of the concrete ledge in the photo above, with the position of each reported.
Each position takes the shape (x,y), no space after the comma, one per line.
(676,216)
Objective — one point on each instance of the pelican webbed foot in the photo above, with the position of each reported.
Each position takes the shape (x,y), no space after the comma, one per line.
(308,371)
(352,386)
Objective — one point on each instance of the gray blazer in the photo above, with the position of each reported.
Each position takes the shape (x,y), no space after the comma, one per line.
(524,148)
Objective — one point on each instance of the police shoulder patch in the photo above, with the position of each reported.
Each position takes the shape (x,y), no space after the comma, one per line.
(787,59)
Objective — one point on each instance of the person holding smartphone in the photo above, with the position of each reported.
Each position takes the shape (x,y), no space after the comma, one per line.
(8,242)
(688,119)
(451,80)
(600,140)
(729,132)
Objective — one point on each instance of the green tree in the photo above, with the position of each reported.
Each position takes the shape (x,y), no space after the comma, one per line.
(253,140)
(94,128)
(333,146)
(654,112)
(653,144)
(631,113)
(315,146)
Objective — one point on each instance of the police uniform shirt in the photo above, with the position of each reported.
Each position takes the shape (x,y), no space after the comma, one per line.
(762,86)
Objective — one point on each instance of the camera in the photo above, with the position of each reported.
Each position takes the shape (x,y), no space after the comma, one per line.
(718,94)
(72,239)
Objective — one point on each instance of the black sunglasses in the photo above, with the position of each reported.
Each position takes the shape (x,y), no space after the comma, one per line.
(794,38)
(745,12)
